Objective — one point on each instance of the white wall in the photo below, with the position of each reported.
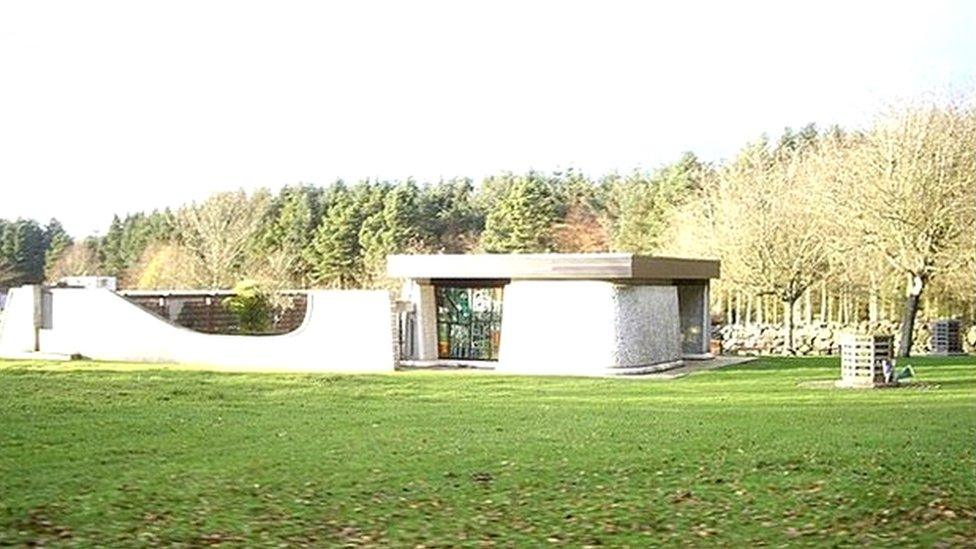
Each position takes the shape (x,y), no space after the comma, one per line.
(587,327)
(421,294)
(344,331)
(18,320)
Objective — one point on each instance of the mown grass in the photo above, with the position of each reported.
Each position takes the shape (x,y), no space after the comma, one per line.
(109,454)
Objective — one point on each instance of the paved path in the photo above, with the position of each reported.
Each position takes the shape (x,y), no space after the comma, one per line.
(692,366)
(479,366)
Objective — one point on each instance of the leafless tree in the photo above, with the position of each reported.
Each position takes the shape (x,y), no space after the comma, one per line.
(218,233)
(79,259)
(910,193)
(766,216)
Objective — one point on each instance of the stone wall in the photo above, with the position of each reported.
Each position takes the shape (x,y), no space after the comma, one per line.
(819,338)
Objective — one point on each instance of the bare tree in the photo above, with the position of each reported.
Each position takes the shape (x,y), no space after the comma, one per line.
(218,233)
(164,266)
(910,192)
(79,259)
(768,218)
(581,230)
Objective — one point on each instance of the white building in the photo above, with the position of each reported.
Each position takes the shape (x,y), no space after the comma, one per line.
(572,314)
(561,314)
(107,282)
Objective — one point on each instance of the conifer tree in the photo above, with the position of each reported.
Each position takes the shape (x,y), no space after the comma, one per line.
(334,255)
(522,219)
(22,246)
(390,230)
(58,241)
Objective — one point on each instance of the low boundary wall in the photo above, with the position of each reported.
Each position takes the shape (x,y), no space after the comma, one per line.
(343,331)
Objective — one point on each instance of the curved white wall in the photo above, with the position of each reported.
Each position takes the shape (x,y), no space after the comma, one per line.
(344,331)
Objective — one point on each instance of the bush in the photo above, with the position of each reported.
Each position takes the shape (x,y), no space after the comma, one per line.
(251,305)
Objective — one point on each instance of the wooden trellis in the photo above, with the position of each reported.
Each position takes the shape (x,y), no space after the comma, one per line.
(863,359)
(945,337)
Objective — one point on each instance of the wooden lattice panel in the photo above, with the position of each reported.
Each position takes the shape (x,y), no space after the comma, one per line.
(945,337)
(862,358)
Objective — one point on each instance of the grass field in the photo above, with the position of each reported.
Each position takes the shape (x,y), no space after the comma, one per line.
(115,454)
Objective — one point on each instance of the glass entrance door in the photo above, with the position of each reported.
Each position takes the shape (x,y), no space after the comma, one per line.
(469,321)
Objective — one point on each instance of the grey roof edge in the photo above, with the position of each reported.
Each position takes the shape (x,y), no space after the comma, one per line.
(580,266)
(646,266)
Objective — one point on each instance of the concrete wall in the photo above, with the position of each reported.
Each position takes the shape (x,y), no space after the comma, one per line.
(344,331)
(587,328)
(421,294)
(20,320)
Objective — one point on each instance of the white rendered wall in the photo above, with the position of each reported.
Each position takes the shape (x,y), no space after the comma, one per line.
(344,331)
(421,294)
(587,327)
(19,320)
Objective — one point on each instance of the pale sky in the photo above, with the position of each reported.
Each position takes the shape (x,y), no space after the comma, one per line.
(115,107)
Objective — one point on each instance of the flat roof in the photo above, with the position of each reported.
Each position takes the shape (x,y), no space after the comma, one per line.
(597,266)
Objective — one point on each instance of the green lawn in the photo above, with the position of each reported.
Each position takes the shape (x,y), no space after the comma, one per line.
(115,454)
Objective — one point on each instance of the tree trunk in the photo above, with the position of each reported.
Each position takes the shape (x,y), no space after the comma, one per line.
(915,286)
(728,307)
(823,302)
(738,307)
(807,307)
(788,314)
(873,300)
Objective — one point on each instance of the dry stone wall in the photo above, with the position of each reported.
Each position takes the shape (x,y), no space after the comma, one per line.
(821,338)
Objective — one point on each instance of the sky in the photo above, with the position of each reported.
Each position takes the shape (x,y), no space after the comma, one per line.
(116,107)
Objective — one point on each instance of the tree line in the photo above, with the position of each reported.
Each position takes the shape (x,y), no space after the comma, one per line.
(339,235)
(834,224)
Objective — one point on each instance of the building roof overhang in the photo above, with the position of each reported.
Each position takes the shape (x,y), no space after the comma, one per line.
(595,266)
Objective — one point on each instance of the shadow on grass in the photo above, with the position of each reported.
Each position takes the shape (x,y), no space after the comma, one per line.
(780,364)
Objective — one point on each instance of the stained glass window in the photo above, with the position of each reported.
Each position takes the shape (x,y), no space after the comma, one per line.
(469,322)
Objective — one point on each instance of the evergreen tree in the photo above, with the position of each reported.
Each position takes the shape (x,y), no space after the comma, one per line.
(642,203)
(58,241)
(334,255)
(127,239)
(22,247)
(450,218)
(290,228)
(390,230)
(523,218)
(110,248)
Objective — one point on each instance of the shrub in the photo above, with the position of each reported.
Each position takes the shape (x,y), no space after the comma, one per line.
(251,305)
